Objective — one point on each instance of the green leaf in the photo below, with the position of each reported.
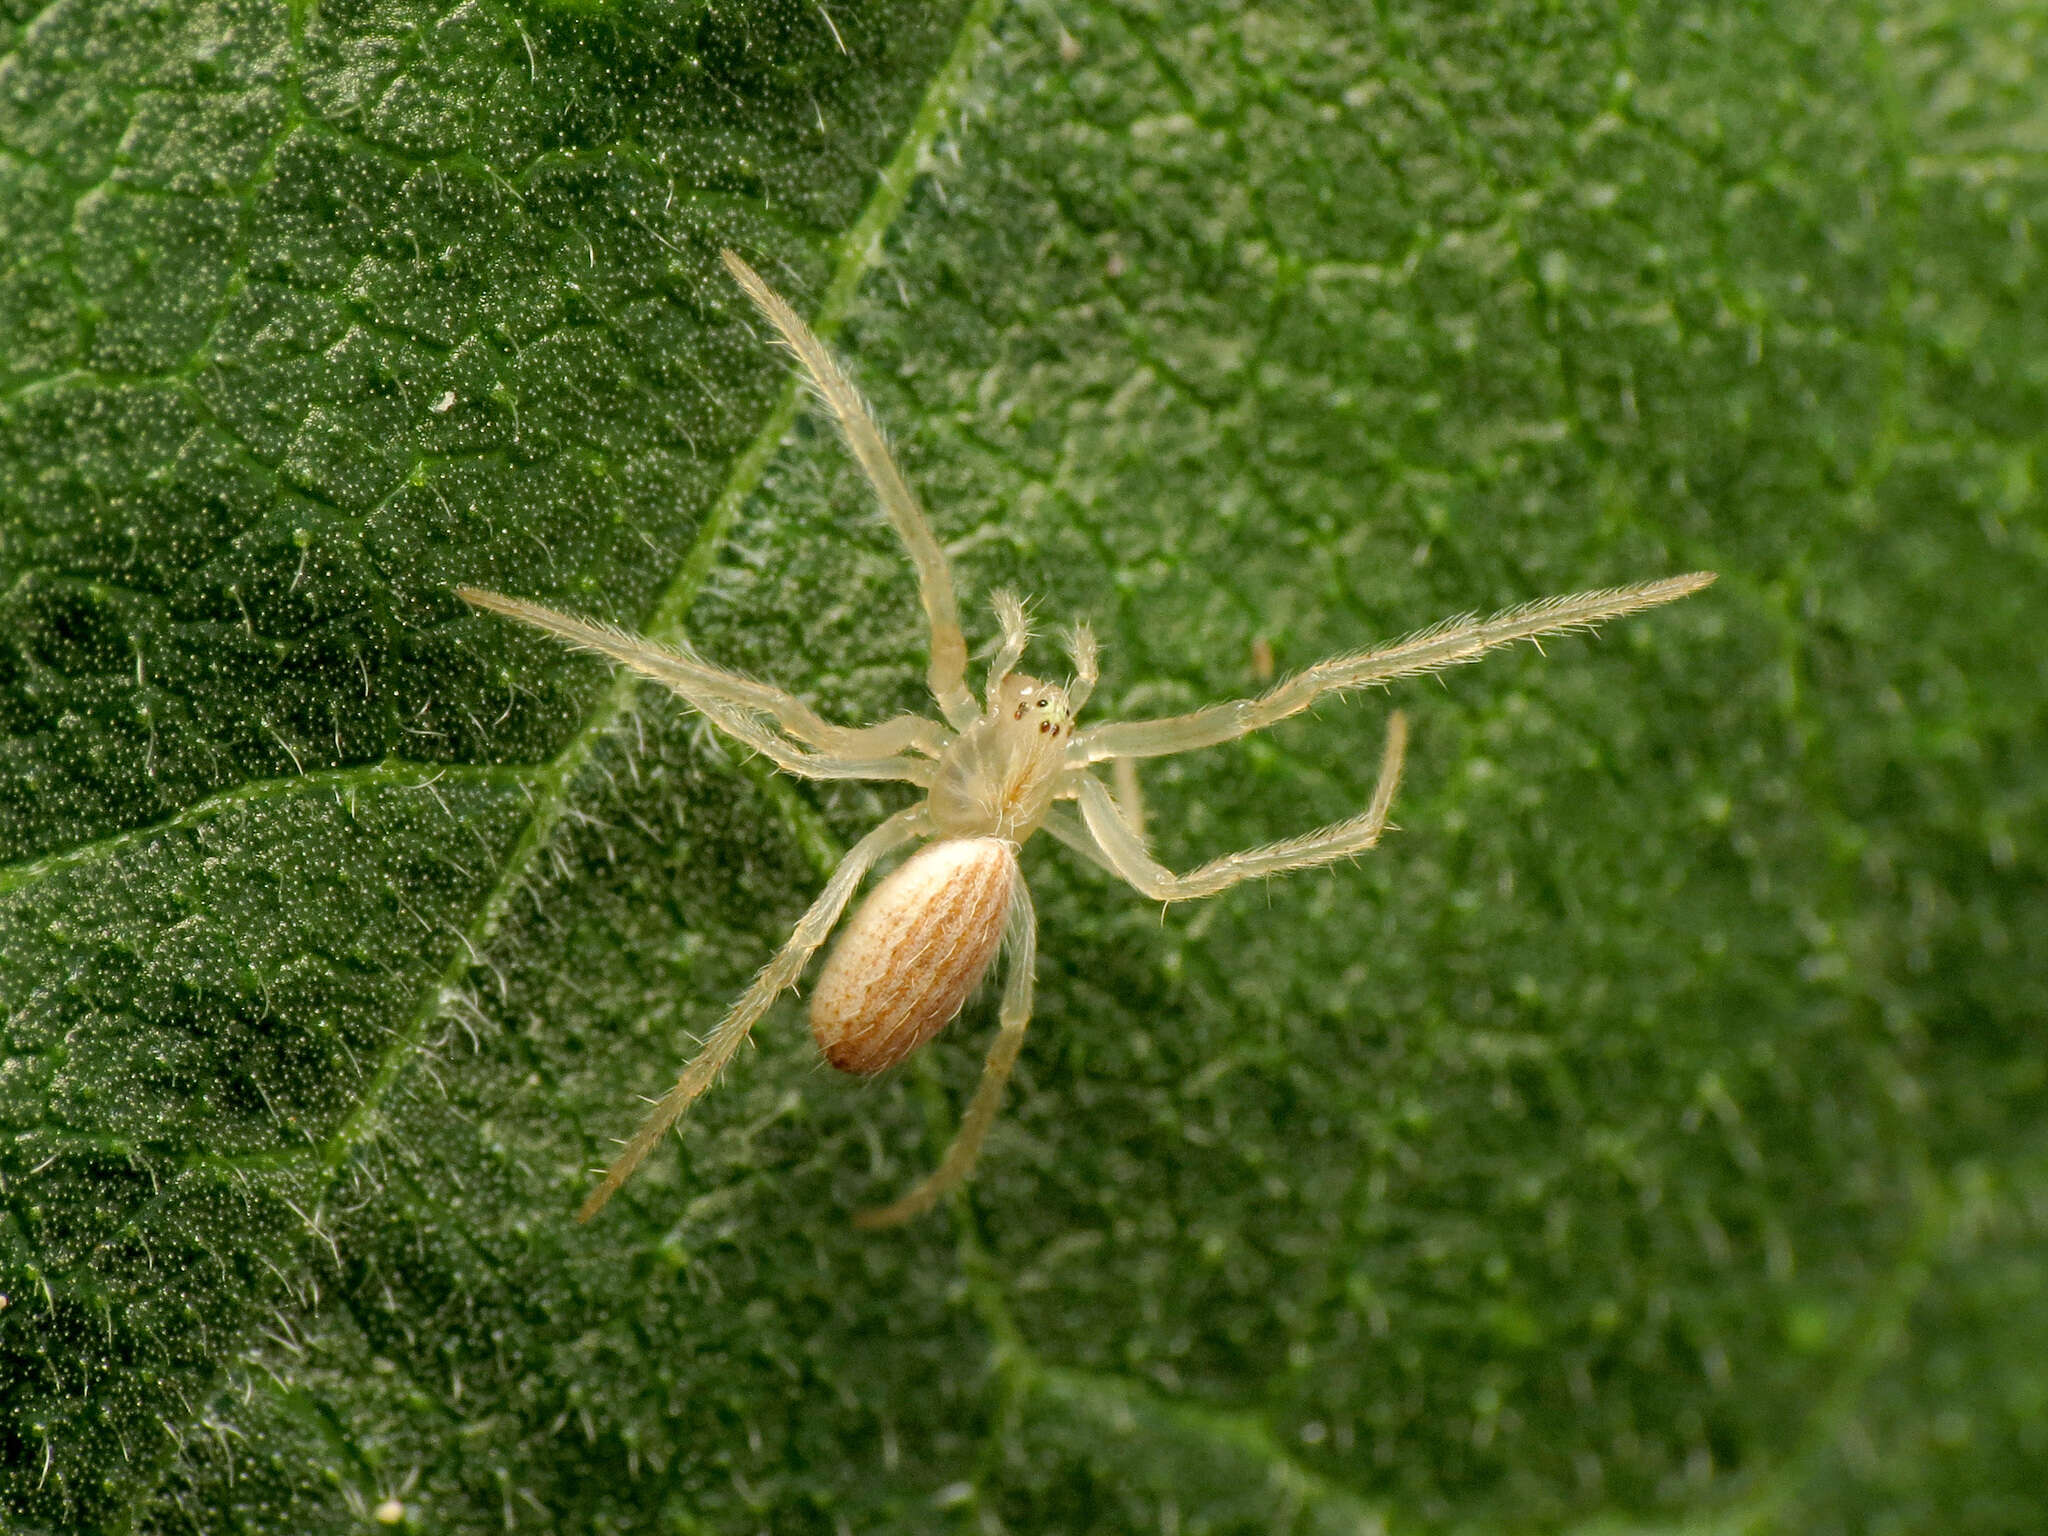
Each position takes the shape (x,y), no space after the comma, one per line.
(1647,1138)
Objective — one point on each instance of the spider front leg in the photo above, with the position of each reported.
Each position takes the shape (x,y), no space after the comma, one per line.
(1428,650)
(780,973)
(947,674)
(730,701)
(1021,942)
(1125,848)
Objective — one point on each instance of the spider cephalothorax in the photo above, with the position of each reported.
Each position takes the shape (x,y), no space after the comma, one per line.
(999,777)
(994,773)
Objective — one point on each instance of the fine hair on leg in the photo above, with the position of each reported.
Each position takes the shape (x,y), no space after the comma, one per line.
(1021,946)
(779,974)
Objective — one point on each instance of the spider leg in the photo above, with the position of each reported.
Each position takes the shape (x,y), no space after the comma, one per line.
(732,702)
(800,764)
(1014,1015)
(1066,828)
(1130,799)
(779,974)
(1428,650)
(1125,848)
(947,674)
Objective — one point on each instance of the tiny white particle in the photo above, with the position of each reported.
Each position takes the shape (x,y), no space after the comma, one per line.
(444,405)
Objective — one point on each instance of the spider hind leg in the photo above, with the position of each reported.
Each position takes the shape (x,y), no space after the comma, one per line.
(1013,1018)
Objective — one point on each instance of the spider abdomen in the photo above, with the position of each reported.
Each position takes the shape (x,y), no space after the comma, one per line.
(913,952)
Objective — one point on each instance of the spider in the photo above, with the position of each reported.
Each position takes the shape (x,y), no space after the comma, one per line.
(993,773)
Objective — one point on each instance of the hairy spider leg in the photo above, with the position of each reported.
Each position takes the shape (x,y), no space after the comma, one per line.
(731,702)
(776,976)
(947,674)
(1429,650)
(1125,849)
(1020,944)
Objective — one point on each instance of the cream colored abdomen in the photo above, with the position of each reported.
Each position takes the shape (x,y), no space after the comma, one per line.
(913,952)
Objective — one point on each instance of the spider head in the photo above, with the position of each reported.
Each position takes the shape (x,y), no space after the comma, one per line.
(1024,707)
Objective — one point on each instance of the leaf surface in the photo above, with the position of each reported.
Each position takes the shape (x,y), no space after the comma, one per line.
(1647,1137)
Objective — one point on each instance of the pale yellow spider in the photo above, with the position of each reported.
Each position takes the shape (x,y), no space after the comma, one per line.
(993,774)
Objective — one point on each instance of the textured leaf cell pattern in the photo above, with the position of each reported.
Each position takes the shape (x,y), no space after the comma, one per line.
(1649,1135)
